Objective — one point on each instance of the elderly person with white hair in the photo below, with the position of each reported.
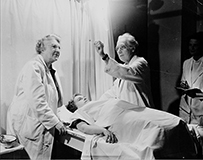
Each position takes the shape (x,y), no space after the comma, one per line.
(132,82)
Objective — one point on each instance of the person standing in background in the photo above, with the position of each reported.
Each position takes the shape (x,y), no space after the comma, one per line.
(133,77)
(32,115)
(191,104)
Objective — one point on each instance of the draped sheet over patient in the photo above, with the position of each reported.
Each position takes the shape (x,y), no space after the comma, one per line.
(140,131)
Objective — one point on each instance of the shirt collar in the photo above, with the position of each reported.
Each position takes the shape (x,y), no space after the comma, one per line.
(132,60)
(199,60)
(43,62)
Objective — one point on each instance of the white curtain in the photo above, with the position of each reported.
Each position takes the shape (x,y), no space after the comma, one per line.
(78,23)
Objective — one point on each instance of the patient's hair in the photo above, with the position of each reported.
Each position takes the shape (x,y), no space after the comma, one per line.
(71,104)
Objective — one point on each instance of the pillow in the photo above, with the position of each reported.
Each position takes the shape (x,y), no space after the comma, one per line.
(64,114)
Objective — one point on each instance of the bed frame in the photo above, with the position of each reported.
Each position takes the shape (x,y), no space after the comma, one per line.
(74,139)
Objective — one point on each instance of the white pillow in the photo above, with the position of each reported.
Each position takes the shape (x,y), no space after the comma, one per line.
(64,114)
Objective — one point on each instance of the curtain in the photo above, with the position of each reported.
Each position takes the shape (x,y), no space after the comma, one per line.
(78,22)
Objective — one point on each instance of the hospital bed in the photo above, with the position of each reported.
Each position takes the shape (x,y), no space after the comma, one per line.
(74,139)
(178,144)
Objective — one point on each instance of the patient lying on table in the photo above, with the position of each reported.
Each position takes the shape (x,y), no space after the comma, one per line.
(87,126)
(141,132)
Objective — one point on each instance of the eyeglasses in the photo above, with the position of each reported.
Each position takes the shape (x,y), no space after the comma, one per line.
(121,47)
(54,46)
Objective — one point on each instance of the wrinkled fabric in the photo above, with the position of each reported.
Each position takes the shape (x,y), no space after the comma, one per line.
(64,114)
(132,83)
(140,131)
(32,113)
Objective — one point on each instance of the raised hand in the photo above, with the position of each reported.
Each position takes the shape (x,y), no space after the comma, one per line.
(99,46)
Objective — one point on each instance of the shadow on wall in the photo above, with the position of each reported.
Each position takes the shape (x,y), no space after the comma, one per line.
(174,105)
(2,131)
(154,59)
(155,32)
(153,53)
(4,108)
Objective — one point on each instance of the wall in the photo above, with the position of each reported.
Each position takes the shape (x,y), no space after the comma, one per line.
(164,50)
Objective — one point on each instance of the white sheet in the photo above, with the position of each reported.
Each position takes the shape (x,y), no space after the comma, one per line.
(64,114)
(140,131)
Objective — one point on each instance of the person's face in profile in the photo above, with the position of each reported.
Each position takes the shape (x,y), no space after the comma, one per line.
(194,47)
(80,100)
(52,50)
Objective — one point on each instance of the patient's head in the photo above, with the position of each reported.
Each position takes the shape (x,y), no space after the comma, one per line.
(78,101)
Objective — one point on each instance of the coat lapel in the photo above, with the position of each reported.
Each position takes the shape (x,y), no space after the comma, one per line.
(189,72)
(56,82)
(48,74)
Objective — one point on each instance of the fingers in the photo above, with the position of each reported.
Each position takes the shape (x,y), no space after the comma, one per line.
(61,128)
(64,130)
(115,138)
(98,44)
(111,138)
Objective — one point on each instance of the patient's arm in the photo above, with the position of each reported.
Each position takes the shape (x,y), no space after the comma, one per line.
(93,129)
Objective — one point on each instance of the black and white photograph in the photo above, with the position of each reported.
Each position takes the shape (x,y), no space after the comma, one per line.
(101,79)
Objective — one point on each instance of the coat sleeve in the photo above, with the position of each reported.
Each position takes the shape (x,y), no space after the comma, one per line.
(134,72)
(38,97)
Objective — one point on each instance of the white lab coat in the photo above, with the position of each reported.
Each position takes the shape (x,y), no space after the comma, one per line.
(192,108)
(132,83)
(32,113)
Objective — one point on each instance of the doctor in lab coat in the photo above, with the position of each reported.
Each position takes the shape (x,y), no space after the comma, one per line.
(32,114)
(191,105)
(132,82)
